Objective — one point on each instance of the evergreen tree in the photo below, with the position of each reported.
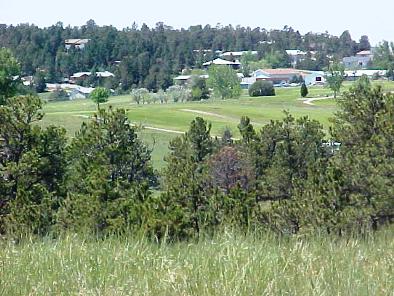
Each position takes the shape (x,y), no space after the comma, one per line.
(304,90)
(9,71)
(32,166)
(110,168)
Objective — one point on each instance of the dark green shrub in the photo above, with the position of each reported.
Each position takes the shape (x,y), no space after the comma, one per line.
(304,90)
(261,88)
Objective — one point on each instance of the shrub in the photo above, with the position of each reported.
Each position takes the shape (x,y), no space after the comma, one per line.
(261,88)
(59,95)
(304,90)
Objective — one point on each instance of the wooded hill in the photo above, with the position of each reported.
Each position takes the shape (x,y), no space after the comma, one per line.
(149,57)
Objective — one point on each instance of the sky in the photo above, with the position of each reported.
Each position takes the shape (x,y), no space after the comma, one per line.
(360,17)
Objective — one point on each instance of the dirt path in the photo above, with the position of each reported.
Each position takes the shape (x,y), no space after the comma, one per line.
(145,127)
(205,113)
(309,101)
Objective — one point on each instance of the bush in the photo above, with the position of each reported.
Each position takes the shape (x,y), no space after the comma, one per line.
(261,88)
(304,90)
(59,95)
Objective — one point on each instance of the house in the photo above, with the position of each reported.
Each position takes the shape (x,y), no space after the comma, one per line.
(314,77)
(295,56)
(105,74)
(184,79)
(74,91)
(80,76)
(27,80)
(283,76)
(360,61)
(352,75)
(80,92)
(234,64)
(77,43)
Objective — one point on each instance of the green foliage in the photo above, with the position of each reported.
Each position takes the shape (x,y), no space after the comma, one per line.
(150,57)
(140,95)
(109,168)
(384,56)
(199,89)
(261,88)
(277,59)
(353,192)
(58,95)
(335,77)
(304,90)
(224,82)
(39,82)
(99,95)
(178,93)
(9,69)
(297,79)
(32,166)
(185,207)
(246,60)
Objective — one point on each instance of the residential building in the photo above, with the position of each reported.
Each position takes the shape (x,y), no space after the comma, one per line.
(234,64)
(74,91)
(80,76)
(352,75)
(360,61)
(284,76)
(77,43)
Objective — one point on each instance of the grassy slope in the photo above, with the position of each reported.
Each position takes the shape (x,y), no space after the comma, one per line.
(71,114)
(225,265)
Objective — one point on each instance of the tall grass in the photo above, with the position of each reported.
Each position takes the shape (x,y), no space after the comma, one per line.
(228,264)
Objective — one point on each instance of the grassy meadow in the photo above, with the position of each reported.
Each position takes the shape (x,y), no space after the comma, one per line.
(161,122)
(228,264)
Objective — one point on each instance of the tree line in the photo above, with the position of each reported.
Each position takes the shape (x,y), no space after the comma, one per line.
(149,57)
(286,177)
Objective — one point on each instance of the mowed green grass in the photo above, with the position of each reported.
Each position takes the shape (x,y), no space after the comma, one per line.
(228,264)
(176,117)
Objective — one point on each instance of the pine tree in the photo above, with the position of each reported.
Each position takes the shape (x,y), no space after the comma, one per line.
(304,90)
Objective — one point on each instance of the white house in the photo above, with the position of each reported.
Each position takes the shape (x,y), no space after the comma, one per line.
(360,61)
(355,74)
(83,75)
(221,62)
(284,76)
(77,43)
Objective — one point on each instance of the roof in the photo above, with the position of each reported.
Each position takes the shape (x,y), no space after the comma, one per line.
(104,74)
(69,87)
(281,71)
(364,52)
(187,77)
(80,74)
(359,73)
(76,41)
(221,62)
(182,77)
(295,52)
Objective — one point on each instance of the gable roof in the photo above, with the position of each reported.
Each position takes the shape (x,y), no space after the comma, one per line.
(76,41)
(221,62)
